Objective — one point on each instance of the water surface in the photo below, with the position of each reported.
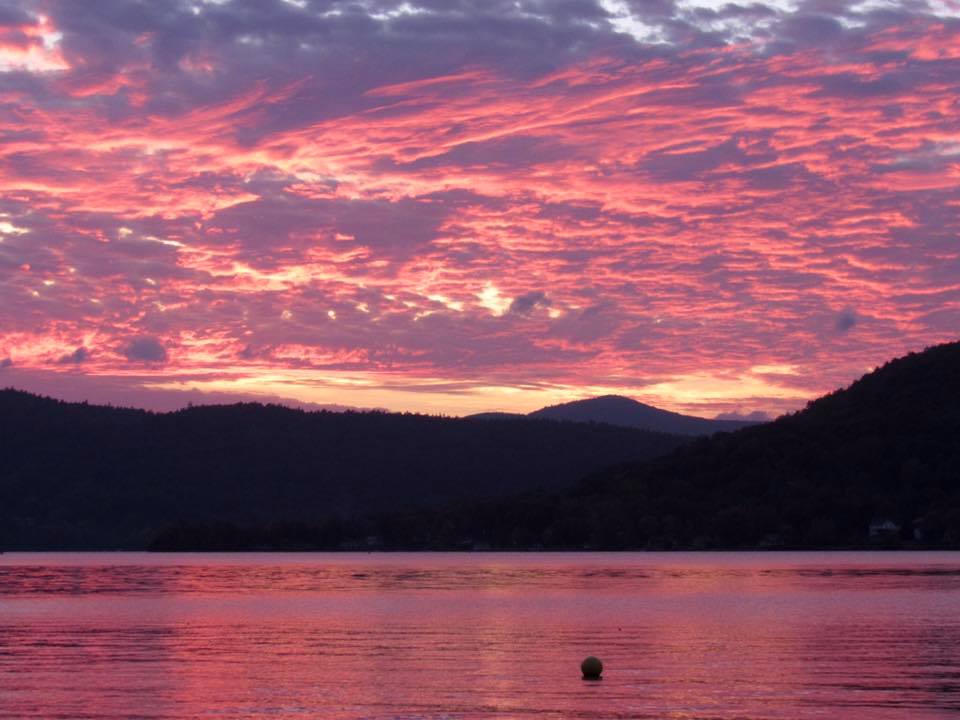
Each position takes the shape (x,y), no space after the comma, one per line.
(683,635)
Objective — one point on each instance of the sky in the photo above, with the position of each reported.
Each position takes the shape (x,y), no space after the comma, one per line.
(457,206)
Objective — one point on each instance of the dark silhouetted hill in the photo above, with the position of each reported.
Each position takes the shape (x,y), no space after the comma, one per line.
(498,416)
(619,410)
(884,452)
(74,475)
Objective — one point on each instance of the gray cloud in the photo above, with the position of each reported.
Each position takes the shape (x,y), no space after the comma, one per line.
(5,363)
(845,322)
(528,302)
(145,349)
(77,357)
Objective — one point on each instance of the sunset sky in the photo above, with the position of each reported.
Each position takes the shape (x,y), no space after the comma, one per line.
(453,206)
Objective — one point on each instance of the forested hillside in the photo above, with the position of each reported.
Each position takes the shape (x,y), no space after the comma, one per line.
(77,475)
(883,452)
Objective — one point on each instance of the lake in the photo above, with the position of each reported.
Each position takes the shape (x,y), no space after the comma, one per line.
(480,635)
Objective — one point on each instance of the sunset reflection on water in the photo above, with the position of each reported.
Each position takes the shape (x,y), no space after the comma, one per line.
(764,635)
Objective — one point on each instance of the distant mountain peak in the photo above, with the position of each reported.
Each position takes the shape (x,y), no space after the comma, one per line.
(627,412)
(621,400)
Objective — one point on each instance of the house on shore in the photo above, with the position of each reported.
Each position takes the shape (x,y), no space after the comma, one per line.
(881,528)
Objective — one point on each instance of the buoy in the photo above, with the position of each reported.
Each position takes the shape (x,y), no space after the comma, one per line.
(591,668)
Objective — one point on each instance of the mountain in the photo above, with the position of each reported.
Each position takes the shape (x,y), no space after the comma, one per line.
(877,463)
(623,412)
(619,410)
(74,475)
